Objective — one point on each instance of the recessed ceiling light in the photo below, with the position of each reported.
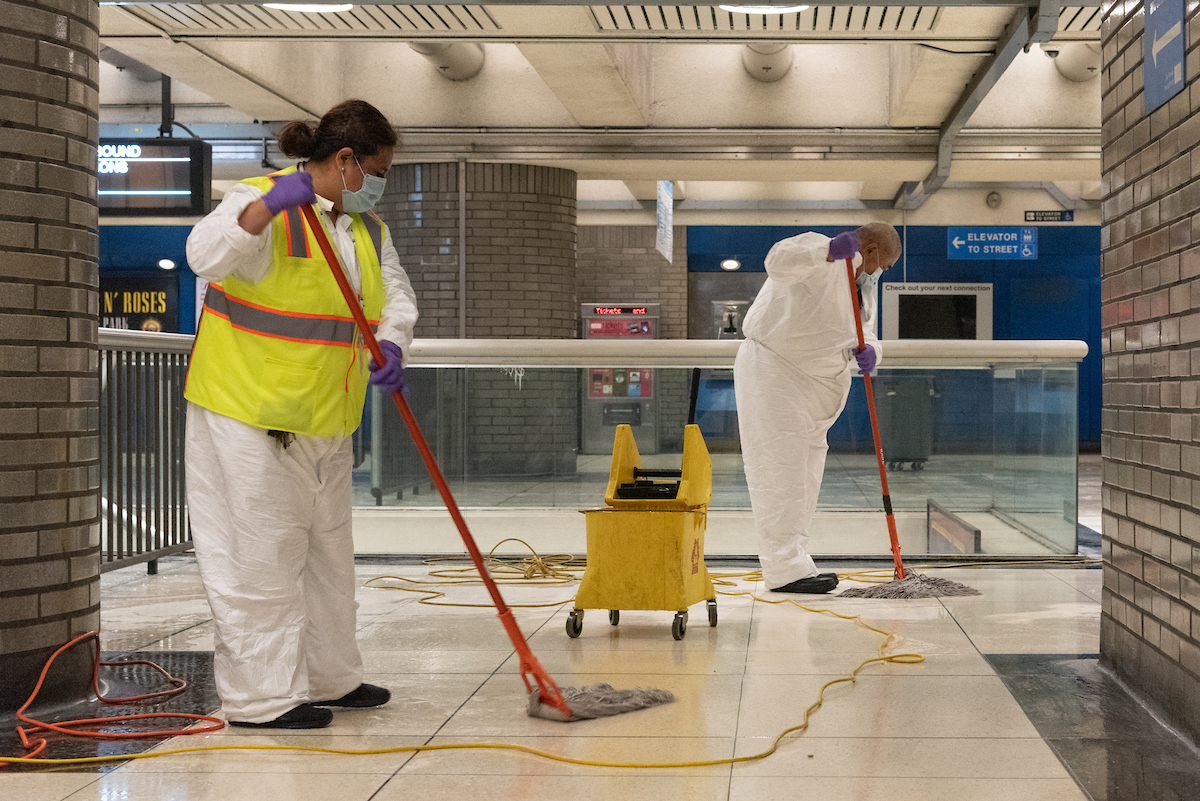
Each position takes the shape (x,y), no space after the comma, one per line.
(310,8)
(730,264)
(764,9)
(166,264)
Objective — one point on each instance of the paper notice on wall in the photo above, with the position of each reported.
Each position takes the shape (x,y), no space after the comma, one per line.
(665,239)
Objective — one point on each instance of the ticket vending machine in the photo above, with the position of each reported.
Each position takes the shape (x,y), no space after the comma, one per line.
(614,396)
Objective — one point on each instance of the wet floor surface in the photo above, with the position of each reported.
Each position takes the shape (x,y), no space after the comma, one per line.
(1038,723)
(122,681)
(1110,743)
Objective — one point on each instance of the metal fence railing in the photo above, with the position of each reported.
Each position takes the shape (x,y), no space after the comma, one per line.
(143,507)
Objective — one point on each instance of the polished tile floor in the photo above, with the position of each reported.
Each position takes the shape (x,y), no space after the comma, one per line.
(948,728)
(1008,703)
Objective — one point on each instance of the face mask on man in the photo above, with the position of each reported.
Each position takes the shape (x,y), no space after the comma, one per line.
(365,198)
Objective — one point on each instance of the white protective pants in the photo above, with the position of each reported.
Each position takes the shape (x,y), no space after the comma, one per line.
(272,536)
(783,416)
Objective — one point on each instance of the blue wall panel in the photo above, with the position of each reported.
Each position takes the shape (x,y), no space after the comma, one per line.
(138,248)
(1056,296)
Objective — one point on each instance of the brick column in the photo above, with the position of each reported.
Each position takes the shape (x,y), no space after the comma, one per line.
(1150,624)
(49,388)
(521,283)
(520,247)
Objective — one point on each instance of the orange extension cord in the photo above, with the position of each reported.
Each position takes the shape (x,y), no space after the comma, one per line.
(37,744)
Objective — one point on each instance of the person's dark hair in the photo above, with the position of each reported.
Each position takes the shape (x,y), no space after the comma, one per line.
(355,124)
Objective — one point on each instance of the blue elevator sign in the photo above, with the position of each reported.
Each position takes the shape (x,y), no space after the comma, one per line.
(1163,52)
(991,243)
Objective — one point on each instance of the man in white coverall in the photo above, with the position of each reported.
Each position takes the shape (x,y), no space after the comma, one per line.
(791,378)
(275,389)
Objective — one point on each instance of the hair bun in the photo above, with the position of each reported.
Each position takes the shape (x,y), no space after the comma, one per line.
(297,140)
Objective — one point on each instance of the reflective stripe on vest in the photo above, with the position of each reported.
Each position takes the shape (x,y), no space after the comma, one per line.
(297,241)
(375,229)
(314,328)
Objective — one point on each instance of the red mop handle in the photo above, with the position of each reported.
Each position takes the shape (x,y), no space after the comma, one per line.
(550,694)
(887,497)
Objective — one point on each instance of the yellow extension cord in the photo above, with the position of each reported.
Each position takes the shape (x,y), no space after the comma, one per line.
(553,571)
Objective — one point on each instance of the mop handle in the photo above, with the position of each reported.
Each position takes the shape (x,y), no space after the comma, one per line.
(550,691)
(887,497)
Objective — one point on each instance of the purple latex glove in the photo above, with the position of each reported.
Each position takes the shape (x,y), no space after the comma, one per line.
(291,190)
(389,377)
(866,359)
(845,245)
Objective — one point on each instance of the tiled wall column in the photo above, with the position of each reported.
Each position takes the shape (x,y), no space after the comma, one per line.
(1150,319)
(520,247)
(49,386)
(521,283)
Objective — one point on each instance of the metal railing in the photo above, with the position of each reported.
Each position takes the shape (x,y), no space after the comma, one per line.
(142,500)
(144,509)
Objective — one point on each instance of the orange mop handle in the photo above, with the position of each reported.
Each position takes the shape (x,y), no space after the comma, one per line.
(550,692)
(887,498)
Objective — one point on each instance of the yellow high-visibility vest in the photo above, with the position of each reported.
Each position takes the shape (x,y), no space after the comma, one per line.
(284,353)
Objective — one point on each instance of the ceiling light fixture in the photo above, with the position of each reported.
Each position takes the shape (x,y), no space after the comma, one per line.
(310,8)
(166,264)
(730,264)
(764,9)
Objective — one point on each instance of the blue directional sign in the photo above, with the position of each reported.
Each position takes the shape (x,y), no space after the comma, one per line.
(1163,49)
(991,243)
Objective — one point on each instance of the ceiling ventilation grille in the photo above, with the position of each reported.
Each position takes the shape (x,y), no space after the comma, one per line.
(817,19)
(187,18)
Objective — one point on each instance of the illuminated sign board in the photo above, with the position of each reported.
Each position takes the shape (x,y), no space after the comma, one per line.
(154,177)
(639,310)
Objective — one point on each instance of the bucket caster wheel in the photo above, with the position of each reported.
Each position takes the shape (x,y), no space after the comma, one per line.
(679,625)
(712,612)
(614,616)
(574,623)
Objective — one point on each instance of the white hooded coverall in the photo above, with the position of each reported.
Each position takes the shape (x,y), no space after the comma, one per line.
(791,379)
(271,525)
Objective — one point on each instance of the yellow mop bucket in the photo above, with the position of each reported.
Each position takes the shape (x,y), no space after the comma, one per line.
(645,549)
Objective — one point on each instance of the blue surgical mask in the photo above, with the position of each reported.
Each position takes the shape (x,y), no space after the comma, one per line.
(365,198)
(868,282)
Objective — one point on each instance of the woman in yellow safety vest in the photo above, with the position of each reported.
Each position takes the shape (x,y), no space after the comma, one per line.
(275,389)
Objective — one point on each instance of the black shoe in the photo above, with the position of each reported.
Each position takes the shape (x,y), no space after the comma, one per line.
(820,583)
(366,695)
(305,716)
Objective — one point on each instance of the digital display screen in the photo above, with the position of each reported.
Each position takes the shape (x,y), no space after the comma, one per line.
(618,309)
(161,177)
(937,316)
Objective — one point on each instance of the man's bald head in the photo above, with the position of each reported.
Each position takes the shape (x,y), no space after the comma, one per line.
(884,237)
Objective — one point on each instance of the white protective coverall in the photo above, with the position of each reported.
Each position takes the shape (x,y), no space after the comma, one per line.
(791,379)
(271,525)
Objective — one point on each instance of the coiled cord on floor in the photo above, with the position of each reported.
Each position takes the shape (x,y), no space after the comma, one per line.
(37,744)
(851,678)
(534,570)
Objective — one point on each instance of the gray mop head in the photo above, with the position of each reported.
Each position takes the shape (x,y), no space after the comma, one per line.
(913,585)
(597,701)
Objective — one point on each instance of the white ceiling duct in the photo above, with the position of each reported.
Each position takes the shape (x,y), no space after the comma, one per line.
(767,61)
(1075,61)
(458,61)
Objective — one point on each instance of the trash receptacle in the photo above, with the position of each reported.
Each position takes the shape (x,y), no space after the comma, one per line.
(903,404)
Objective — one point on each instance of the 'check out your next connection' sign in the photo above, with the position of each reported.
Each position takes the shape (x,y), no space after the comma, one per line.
(991,243)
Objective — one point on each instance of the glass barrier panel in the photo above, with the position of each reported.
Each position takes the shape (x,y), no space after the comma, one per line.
(979,460)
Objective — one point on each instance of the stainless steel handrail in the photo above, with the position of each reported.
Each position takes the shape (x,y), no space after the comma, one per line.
(900,353)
